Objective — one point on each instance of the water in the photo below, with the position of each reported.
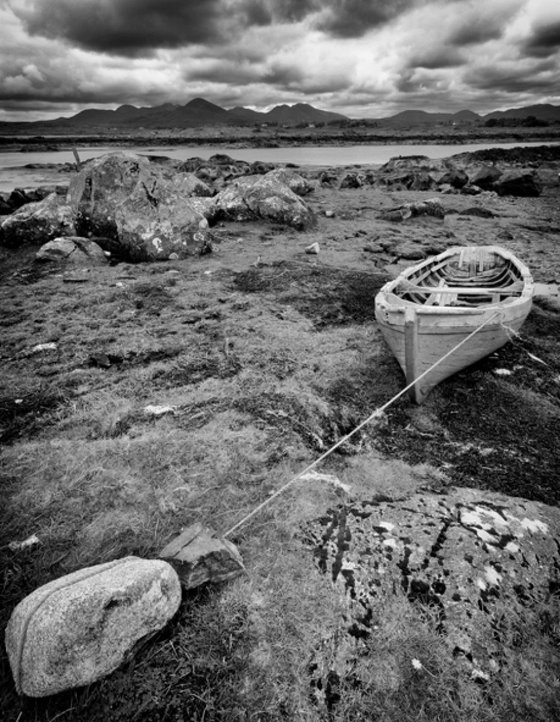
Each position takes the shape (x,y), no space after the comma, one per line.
(13,174)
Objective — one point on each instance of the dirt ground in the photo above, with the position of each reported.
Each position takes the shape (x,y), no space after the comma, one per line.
(267,356)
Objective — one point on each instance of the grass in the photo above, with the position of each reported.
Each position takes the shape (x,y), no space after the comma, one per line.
(264,367)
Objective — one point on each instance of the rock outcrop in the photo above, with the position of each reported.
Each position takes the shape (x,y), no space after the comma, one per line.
(78,628)
(469,555)
(143,210)
(39,222)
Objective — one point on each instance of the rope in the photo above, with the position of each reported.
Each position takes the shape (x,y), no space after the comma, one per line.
(512,335)
(378,412)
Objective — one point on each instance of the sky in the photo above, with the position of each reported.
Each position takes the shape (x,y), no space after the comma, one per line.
(362,58)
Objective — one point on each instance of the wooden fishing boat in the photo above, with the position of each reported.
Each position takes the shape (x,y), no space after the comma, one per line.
(474,296)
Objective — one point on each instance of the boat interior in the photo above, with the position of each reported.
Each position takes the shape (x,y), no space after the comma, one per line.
(472,277)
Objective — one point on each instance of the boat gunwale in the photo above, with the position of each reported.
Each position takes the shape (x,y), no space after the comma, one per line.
(399,304)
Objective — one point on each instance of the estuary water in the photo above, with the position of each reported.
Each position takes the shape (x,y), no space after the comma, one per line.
(16,173)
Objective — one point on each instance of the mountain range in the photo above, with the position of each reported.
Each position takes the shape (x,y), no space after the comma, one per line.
(196,112)
(201,112)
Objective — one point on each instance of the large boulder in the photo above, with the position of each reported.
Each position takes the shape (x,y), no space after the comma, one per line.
(422,181)
(72,251)
(468,555)
(265,197)
(160,223)
(413,172)
(143,210)
(485,177)
(518,183)
(295,182)
(455,177)
(78,628)
(37,223)
(231,203)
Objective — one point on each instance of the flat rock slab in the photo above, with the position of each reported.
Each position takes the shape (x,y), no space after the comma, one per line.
(468,555)
(72,251)
(201,557)
(81,627)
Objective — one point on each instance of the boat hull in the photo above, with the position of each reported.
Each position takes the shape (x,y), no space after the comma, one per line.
(422,335)
(434,343)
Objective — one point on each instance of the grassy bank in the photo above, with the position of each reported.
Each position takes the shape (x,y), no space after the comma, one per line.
(267,356)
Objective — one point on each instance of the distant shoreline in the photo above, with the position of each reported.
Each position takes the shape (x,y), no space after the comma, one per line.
(275,138)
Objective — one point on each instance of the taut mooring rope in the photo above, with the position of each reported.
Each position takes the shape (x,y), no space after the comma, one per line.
(372,416)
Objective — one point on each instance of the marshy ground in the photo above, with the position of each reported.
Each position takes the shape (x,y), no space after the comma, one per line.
(267,356)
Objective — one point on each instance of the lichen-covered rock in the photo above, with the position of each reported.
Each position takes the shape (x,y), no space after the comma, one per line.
(295,182)
(189,185)
(231,203)
(74,251)
(78,628)
(144,210)
(264,197)
(469,555)
(39,222)
(154,222)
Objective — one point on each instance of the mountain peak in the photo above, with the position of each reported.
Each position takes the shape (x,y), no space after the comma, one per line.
(202,104)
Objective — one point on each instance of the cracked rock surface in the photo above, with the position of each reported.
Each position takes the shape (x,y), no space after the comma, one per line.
(470,556)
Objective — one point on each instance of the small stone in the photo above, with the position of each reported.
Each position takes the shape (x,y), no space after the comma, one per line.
(373,248)
(158,410)
(42,347)
(313,249)
(329,214)
(199,556)
(31,541)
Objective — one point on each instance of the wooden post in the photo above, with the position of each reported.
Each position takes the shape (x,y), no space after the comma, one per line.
(77,157)
(411,348)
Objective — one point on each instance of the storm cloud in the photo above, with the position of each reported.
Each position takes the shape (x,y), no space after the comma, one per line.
(544,41)
(355,18)
(364,58)
(125,26)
